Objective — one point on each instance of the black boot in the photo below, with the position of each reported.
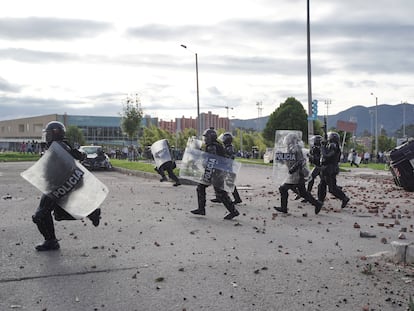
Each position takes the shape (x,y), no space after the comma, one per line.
(232,214)
(345,202)
(48,245)
(236,196)
(215,200)
(230,206)
(201,200)
(281,209)
(283,200)
(199,211)
(318,207)
(95,216)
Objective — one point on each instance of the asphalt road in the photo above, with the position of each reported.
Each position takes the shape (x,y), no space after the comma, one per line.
(150,253)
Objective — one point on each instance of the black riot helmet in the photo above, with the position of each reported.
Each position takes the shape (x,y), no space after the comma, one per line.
(210,135)
(317,140)
(333,137)
(54,131)
(227,138)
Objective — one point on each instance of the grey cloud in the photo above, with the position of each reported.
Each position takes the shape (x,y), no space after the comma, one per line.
(359,43)
(246,28)
(107,97)
(35,28)
(162,32)
(20,107)
(34,56)
(6,86)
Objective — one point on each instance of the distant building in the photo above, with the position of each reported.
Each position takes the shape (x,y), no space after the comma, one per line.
(96,129)
(207,120)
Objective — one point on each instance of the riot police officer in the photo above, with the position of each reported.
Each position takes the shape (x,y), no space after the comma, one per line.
(55,131)
(315,159)
(296,178)
(214,147)
(331,155)
(227,139)
(168,167)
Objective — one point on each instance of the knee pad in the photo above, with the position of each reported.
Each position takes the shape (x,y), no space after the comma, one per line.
(283,188)
(221,195)
(38,216)
(36,219)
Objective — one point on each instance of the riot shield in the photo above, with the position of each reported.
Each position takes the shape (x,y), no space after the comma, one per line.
(357,159)
(194,143)
(160,152)
(282,155)
(58,175)
(209,169)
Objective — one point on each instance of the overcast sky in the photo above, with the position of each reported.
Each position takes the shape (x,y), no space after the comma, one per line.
(85,57)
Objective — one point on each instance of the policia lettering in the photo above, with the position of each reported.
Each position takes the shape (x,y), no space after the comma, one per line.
(279,156)
(211,162)
(69,185)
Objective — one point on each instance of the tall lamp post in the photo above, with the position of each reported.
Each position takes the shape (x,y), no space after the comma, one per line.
(310,122)
(198,93)
(376,125)
(371,117)
(403,118)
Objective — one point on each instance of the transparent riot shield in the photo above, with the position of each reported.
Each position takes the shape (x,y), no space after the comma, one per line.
(160,152)
(194,143)
(209,169)
(58,175)
(282,155)
(357,159)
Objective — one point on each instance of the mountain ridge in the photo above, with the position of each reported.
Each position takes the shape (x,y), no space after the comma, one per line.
(390,118)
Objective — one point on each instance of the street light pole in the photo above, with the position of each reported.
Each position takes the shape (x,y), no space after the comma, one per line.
(376,125)
(198,93)
(310,122)
(371,115)
(403,119)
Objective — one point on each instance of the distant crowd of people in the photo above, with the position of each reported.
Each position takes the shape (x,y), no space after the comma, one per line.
(32,147)
(365,157)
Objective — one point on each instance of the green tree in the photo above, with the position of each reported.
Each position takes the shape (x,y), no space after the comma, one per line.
(248,138)
(75,135)
(409,131)
(131,117)
(182,137)
(386,143)
(290,115)
(152,134)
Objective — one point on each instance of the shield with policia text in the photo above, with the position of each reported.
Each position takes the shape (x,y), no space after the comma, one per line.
(59,176)
(282,155)
(161,152)
(209,169)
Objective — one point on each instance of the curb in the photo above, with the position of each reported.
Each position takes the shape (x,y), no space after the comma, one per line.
(403,252)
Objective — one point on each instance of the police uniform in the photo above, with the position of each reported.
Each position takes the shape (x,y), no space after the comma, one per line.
(296,177)
(229,152)
(214,147)
(55,131)
(315,159)
(331,155)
